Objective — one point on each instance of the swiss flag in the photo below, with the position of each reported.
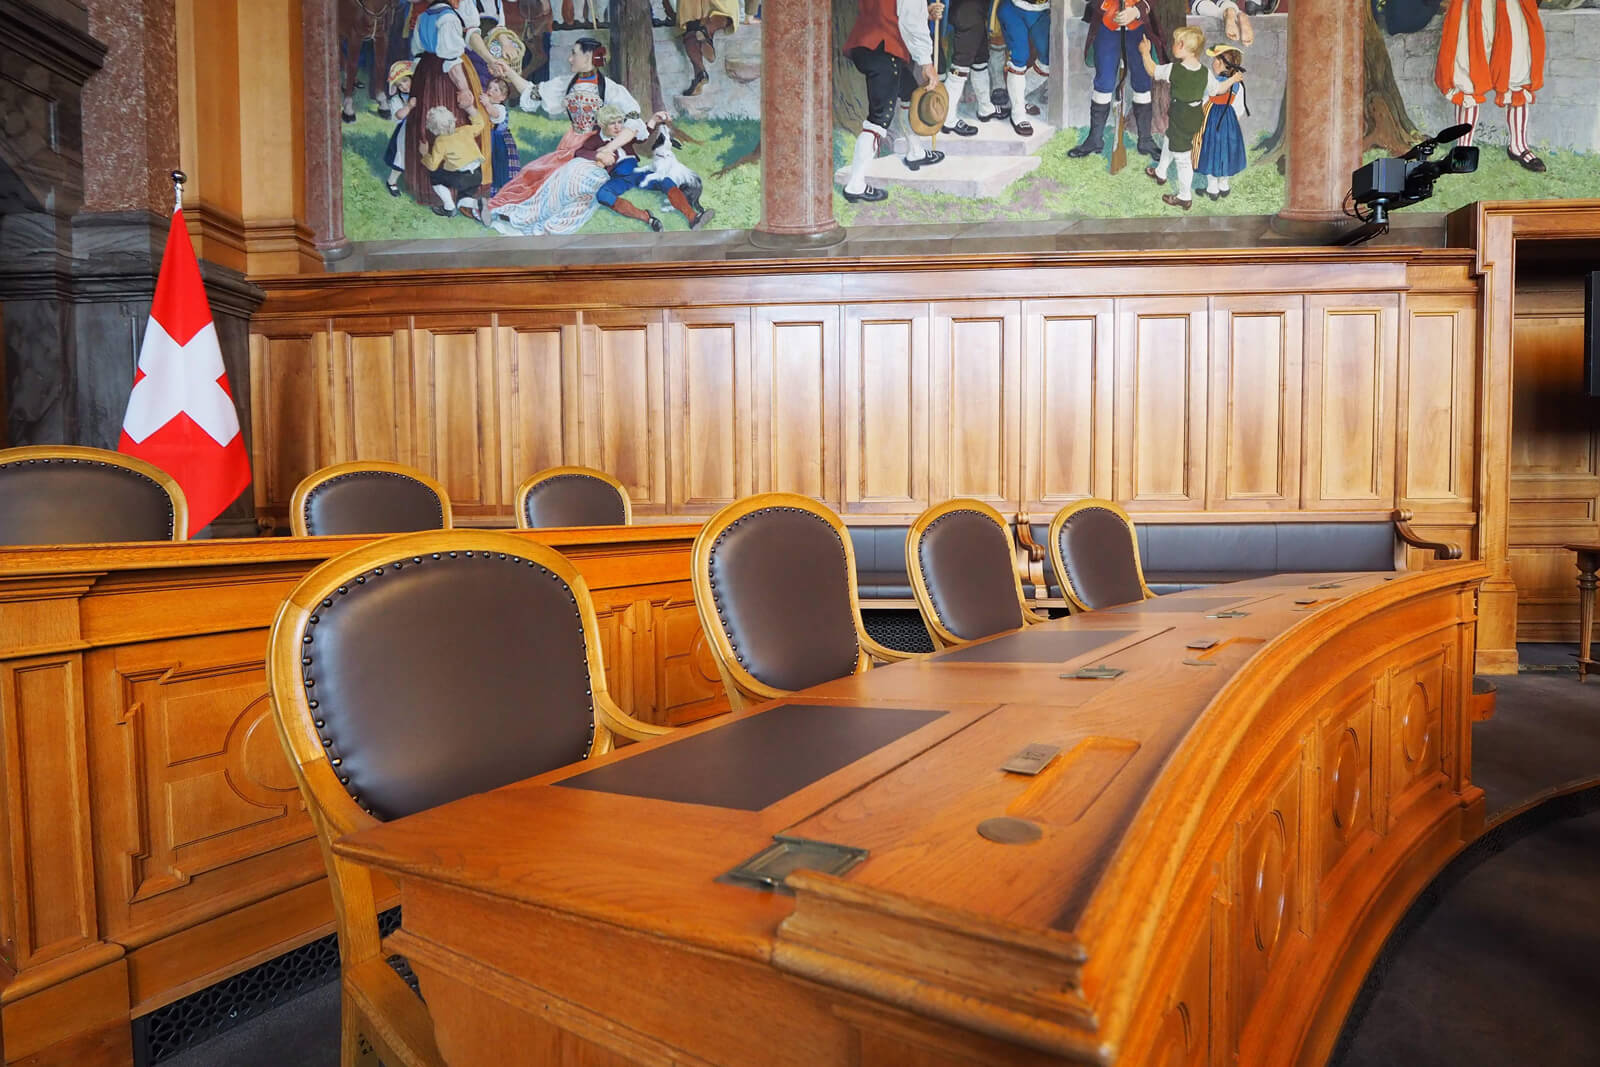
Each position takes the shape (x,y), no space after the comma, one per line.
(181,415)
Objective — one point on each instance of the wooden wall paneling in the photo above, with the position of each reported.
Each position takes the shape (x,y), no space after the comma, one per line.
(369,368)
(1160,413)
(975,396)
(1255,403)
(1351,362)
(457,428)
(1069,370)
(886,454)
(623,401)
(708,408)
(538,372)
(796,408)
(286,400)
(1437,402)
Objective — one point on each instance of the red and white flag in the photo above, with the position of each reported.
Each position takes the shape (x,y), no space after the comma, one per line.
(181,415)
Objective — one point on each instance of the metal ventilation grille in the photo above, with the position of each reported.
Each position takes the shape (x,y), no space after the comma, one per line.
(899,629)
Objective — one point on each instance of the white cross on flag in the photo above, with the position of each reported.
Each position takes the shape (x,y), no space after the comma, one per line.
(181,415)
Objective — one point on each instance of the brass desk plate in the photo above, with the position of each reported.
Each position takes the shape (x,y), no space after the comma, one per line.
(1101,671)
(769,868)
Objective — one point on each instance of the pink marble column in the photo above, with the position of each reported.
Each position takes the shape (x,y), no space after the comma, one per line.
(324,135)
(1326,111)
(797,126)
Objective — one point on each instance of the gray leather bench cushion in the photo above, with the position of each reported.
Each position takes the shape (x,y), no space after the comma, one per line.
(881,562)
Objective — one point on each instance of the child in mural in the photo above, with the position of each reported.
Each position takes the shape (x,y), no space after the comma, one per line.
(402,104)
(454,162)
(619,155)
(1191,83)
(1025,24)
(505,160)
(1222,141)
(1119,30)
(892,48)
(1497,48)
(967,28)
(445,76)
(701,21)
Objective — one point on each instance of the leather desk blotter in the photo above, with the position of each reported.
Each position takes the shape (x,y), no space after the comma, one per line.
(757,761)
(1181,603)
(1036,646)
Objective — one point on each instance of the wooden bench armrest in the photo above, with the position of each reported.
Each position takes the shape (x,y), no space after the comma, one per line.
(1025,539)
(1440,549)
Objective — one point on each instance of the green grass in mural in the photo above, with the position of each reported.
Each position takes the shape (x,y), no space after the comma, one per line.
(1569,175)
(371,214)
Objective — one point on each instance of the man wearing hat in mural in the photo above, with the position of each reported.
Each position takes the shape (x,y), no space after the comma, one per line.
(1116,29)
(1491,48)
(892,48)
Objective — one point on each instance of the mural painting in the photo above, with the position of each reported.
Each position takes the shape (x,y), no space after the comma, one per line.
(548,118)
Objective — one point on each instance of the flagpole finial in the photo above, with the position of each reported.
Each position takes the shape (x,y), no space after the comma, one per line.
(178,178)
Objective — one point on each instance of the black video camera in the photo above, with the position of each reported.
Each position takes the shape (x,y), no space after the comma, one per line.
(1385,184)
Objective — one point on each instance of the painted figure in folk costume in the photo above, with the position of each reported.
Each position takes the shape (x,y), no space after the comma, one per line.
(1222,141)
(452,65)
(890,44)
(401,106)
(1192,83)
(1025,25)
(967,29)
(626,171)
(1119,31)
(701,21)
(1494,48)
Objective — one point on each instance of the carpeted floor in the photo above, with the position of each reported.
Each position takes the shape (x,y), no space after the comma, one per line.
(1497,963)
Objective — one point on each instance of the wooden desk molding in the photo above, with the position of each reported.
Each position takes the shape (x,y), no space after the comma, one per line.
(1223,843)
(155,840)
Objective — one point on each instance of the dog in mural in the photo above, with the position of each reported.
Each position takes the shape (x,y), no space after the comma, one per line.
(359,22)
(664,162)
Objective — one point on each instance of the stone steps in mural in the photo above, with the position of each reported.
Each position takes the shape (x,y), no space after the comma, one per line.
(996,138)
(967,176)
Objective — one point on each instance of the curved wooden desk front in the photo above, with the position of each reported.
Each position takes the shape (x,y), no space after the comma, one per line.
(1226,838)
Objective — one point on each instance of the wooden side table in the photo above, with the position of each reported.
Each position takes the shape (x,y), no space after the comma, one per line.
(1588,563)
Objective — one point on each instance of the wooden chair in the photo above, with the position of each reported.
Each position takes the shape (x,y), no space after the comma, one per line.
(410,672)
(367,498)
(775,586)
(1095,550)
(572,496)
(962,562)
(66,494)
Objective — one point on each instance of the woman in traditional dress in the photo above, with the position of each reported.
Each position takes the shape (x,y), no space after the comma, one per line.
(581,97)
(451,61)
(1222,142)
(1493,48)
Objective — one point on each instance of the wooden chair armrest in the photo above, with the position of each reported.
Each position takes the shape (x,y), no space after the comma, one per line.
(885,654)
(620,722)
(1440,549)
(1025,539)
(396,1018)
(1029,615)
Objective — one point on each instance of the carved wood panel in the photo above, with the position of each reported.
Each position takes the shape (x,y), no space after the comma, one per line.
(1344,785)
(1267,880)
(1351,361)
(1185,1037)
(1415,730)
(1437,392)
(624,384)
(537,371)
(976,399)
(369,375)
(284,398)
(49,907)
(1255,406)
(1160,458)
(453,384)
(708,408)
(886,408)
(796,405)
(1069,365)
(658,665)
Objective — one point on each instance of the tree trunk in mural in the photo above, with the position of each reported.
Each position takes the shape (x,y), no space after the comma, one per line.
(849,87)
(634,64)
(1170,14)
(1388,126)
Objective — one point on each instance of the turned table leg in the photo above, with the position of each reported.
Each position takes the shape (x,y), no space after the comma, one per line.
(1587,564)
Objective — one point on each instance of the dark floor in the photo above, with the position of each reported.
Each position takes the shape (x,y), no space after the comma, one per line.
(1497,963)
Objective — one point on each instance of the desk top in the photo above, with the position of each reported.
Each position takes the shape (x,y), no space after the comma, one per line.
(913,803)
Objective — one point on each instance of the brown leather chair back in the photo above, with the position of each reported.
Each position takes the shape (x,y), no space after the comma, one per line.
(775,585)
(1095,550)
(572,496)
(368,498)
(56,495)
(963,569)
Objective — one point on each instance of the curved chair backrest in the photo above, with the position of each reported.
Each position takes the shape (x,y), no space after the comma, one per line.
(65,494)
(775,585)
(367,498)
(963,568)
(419,669)
(1095,550)
(572,496)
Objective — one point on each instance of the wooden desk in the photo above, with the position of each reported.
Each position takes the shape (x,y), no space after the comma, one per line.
(155,840)
(1588,563)
(1223,843)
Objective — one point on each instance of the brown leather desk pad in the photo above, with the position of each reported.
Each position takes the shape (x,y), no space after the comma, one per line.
(1036,646)
(1182,603)
(755,762)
